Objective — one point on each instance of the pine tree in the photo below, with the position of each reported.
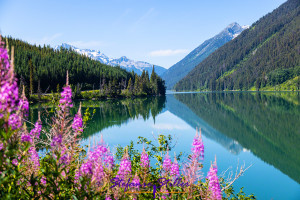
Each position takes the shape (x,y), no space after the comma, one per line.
(30,76)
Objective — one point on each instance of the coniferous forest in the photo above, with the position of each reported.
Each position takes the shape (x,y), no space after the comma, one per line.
(264,56)
(43,70)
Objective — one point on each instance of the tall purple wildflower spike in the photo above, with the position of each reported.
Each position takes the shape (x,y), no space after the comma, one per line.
(56,141)
(214,185)
(34,156)
(109,159)
(174,171)
(136,181)
(66,95)
(14,121)
(167,163)
(144,159)
(125,166)
(198,147)
(23,103)
(192,169)
(35,132)
(77,124)
(9,92)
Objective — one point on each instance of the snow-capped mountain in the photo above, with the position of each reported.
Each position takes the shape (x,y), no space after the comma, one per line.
(124,62)
(183,67)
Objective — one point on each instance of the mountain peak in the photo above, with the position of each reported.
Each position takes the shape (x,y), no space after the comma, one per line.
(123,58)
(67,46)
(234,28)
(234,24)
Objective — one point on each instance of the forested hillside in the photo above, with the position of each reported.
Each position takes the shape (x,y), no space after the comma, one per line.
(43,69)
(265,55)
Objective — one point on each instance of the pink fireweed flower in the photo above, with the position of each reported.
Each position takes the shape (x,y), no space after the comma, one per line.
(15,162)
(174,171)
(34,157)
(167,163)
(14,121)
(87,168)
(35,132)
(198,147)
(65,157)
(214,185)
(44,181)
(98,153)
(66,97)
(125,166)
(97,160)
(108,197)
(1,146)
(144,159)
(109,160)
(136,181)
(98,172)
(26,138)
(23,103)
(56,141)
(9,92)
(3,58)
(8,95)
(77,123)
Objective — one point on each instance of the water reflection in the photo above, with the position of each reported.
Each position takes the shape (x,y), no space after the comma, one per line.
(265,123)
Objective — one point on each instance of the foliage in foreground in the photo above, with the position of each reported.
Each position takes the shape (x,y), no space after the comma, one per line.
(63,170)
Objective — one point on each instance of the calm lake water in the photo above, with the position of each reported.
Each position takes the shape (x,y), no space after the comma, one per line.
(261,129)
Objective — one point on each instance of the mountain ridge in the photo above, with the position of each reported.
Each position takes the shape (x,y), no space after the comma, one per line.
(264,55)
(123,62)
(184,66)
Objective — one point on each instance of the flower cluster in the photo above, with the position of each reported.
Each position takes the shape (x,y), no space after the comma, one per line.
(36,131)
(167,163)
(125,166)
(97,160)
(174,171)
(77,123)
(144,159)
(9,92)
(10,104)
(56,141)
(34,157)
(14,121)
(198,147)
(214,185)
(66,97)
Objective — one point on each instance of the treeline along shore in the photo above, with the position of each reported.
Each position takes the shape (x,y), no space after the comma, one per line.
(42,71)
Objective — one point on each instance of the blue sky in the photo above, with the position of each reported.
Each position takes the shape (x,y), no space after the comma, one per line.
(161,32)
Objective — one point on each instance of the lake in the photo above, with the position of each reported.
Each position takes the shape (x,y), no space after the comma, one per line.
(261,129)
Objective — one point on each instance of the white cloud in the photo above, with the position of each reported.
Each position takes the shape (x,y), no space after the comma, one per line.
(165,126)
(168,52)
